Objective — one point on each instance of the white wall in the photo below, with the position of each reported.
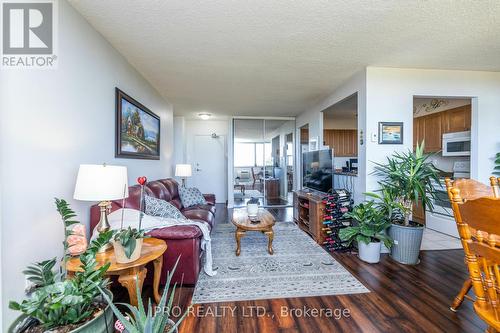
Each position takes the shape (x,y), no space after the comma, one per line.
(52,121)
(314,117)
(390,94)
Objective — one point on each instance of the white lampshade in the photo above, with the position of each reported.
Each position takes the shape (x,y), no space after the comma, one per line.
(101,182)
(183,170)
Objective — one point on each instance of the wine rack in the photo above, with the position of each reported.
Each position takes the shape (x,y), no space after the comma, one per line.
(336,204)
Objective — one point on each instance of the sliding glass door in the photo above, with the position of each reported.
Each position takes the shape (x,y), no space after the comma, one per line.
(263,161)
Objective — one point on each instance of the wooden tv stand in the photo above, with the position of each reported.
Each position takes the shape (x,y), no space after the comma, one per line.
(308,211)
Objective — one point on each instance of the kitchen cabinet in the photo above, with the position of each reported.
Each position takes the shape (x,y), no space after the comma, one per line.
(457,119)
(418,131)
(433,132)
(344,142)
(432,127)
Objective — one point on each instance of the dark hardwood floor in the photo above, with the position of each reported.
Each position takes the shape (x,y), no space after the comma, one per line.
(402,299)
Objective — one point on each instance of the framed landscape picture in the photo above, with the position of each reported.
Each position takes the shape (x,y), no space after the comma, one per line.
(390,133)
(137,129)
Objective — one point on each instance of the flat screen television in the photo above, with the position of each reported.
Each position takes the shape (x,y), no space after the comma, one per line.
(317,170)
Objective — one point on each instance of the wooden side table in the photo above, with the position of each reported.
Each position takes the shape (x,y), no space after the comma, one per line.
(131,273)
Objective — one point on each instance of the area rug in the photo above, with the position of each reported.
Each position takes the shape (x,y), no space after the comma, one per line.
(298,268)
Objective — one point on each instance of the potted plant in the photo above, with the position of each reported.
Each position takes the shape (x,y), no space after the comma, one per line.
(369,232)
(68,305)
(496,169)
(157,321)
(127,244)
(407,180)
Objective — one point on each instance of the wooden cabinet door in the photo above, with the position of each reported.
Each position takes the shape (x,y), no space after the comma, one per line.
(337,139)
(433,131)
(354,141)
(457,119)
(344,142)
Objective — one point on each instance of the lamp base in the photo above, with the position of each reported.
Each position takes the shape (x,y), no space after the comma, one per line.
(103,224)
(183,182)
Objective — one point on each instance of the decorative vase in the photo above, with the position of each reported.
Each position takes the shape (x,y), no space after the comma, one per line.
(407,243)
(252,209)
(120,256)
(370,252)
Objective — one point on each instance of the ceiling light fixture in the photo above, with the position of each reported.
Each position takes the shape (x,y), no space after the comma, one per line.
(204,116)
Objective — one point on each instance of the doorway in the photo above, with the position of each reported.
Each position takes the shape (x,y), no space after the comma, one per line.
(263,161)
(340,133)
(444,125)
(209,167)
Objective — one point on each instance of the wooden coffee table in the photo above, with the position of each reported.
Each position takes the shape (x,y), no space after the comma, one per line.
(243,224)
(133,272)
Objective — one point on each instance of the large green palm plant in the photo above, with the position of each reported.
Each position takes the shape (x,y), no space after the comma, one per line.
(409,176)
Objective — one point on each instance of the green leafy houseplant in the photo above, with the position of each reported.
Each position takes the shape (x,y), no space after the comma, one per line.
(57,301)
(140,321)
(496,169)
(408,178)
(371,227)
(67,217)
(128,239)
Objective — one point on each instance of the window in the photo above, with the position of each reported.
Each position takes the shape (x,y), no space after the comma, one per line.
(244,154)
(249,154)
(289,153)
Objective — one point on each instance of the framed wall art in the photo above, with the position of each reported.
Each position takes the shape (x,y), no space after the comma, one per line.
(137,129)
(390,133)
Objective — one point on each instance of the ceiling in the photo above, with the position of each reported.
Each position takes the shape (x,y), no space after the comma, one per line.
(280,57)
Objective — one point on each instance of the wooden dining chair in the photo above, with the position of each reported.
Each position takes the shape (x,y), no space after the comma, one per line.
(480,227)
(469,189)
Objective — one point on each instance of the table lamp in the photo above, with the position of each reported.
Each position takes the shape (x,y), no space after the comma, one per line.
(103,183)
(183,171)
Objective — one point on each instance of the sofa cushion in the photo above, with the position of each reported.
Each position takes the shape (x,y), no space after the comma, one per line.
(176,232)
(191,196)
(207,207)
(161,208)
(199,215)
(159,190)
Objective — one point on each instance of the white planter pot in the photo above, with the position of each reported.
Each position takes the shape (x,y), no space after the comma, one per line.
(252,209)
(369,252)
(120,256)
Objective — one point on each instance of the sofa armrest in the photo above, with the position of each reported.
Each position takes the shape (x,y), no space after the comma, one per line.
(209,198)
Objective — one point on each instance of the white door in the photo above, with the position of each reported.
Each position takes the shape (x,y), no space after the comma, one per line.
(209,165)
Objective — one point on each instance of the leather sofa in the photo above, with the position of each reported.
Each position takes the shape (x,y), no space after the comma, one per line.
(183,241)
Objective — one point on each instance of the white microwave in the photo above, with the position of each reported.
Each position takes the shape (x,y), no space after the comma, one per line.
(456,144)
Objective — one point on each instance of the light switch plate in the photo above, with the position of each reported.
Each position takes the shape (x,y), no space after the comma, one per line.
(374,137)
